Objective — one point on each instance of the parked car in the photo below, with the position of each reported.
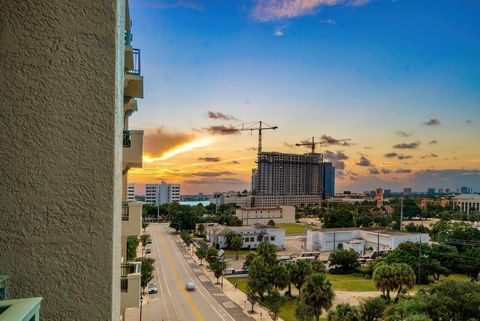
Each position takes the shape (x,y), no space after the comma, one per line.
(152,288)
(190,286)
(149,240)
(148,250)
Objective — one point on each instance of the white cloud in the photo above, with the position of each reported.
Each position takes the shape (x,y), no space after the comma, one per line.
(269,10)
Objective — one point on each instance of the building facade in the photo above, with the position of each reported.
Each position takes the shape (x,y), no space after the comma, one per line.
(131,192)
(69,77)
(252,235)
(262,215)
(162,193)
(336,238)
(467,202)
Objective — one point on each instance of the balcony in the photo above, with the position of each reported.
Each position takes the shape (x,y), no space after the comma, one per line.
(20,309)
(129,105)
(131,218)
(133,148)
(130,285)
(133,86)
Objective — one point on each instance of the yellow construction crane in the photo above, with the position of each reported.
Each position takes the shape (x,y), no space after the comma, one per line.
(313,143)
(256,126)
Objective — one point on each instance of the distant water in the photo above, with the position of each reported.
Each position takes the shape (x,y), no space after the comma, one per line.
(193,203)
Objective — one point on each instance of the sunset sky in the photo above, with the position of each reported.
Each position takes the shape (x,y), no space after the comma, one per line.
(400,78)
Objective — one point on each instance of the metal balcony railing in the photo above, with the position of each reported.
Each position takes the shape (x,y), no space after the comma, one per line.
(127,138)
(125,211)
(136,70)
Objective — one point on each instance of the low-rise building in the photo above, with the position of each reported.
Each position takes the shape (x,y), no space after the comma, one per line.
(467,202)
(359,239)
(262,215)
(252,235)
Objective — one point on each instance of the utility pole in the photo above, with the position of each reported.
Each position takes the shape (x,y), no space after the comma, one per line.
(419,258)
(378,242)
(334,241)
(401,213)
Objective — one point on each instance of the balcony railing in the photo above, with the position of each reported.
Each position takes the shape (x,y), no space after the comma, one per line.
(136,70)
(126,269)
(125,211)
(20,309)
(127,138)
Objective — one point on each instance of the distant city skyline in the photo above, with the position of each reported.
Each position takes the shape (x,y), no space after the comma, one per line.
(402,85)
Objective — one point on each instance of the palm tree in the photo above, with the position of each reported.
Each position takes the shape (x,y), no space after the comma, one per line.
(300,271)
(383,279)
(280,275)
(404,277)
(317,294)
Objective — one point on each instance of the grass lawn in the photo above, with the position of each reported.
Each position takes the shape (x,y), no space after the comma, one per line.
(351,283)
(294,228)
(340,282)
(240,253)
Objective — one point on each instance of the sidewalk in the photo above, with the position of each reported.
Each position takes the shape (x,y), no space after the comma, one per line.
(237,296)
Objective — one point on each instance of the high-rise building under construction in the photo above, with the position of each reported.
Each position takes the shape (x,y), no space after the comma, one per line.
(293,174)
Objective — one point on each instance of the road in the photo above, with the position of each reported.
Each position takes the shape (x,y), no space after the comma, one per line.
(173,268)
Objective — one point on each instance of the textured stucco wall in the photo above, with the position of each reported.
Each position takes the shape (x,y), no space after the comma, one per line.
(61,116)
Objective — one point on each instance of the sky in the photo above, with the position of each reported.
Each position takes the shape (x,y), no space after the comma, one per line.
(399,78)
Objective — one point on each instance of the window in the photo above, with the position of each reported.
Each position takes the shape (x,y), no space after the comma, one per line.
(272,238)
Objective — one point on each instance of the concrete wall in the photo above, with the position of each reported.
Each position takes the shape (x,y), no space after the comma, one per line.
(61,80)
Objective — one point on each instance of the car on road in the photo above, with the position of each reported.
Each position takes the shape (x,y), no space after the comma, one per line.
(149,240)
(190,286)
(148,249)
(152,288)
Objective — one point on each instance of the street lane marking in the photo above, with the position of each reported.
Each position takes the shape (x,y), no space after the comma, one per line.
(183,263)
(179,282)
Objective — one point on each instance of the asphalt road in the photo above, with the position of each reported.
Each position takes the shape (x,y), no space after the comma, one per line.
(175,267)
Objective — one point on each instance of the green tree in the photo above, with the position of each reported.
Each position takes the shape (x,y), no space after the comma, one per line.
(300,271)
(273,303)
(211,255)
(344,312)
(201,229)
(372,309)
(469,262)
(344,261)
(338,217)
(186,237)
(248,259)
(383,279)
(147,269)
(182,217)
(318,267)
(404,278)
(280,276)
(217,267)
(268,251)
(201,253)
(271,223)
(317,294)
(234,242)
(411,308)
(132,244)
(452,300)
(252,297)
(259,277)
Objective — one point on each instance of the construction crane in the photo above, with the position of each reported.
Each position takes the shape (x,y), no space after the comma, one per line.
(314,143)
(257,126)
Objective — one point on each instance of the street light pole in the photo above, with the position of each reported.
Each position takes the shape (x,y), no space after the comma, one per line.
(401,213)
(141,305)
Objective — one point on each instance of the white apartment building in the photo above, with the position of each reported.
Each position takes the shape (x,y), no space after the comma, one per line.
(262,215)
(359,239)
(467,202)
(131,193)
(162,193)
(252,235)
